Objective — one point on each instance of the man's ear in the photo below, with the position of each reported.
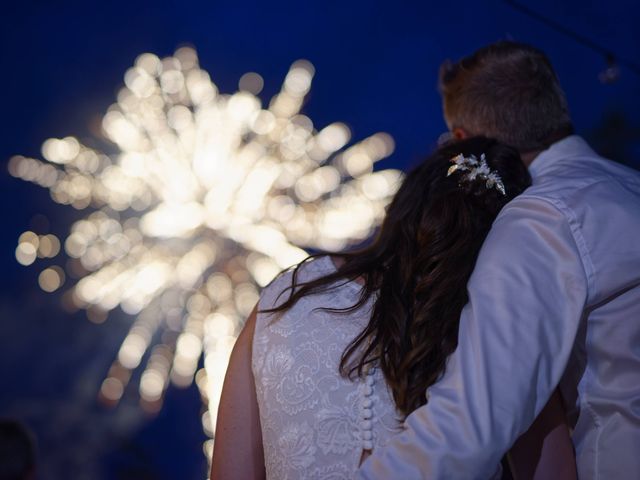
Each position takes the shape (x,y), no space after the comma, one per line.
(460,133)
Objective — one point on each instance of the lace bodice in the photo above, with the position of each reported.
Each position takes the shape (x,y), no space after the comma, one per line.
(316,423)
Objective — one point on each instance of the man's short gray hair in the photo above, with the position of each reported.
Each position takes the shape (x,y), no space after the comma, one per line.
(508,91)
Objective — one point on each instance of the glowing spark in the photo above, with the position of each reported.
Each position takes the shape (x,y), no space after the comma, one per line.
(208,198)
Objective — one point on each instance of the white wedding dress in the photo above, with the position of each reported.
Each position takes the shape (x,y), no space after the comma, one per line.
(316,423)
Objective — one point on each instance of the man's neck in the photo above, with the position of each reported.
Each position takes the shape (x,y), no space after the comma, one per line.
(529,157)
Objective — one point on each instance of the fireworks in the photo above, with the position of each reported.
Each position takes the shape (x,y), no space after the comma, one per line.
(206,199)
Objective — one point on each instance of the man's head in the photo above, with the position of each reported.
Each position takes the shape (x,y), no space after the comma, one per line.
(507,91)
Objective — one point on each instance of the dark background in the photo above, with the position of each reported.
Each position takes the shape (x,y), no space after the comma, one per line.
(376,68)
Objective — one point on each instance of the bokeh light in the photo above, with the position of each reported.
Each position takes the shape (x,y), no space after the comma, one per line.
(207,198)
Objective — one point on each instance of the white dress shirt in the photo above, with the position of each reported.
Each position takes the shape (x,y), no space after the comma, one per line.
(554,299)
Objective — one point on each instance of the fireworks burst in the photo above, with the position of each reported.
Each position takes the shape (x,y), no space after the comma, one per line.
(207,198)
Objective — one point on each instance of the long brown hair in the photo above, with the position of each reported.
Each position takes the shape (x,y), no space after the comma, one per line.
(417,267)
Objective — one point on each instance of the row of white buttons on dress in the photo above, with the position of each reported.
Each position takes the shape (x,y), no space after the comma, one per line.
(366,422)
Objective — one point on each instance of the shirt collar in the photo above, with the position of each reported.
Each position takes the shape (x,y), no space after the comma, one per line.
(571,146)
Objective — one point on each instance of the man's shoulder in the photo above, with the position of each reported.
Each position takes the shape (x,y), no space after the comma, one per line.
(590,181)
(570,169)
(581,197)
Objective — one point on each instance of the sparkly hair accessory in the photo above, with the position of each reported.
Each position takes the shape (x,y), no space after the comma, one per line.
(476,169)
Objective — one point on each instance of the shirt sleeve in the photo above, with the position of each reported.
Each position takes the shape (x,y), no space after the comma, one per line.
(526,299)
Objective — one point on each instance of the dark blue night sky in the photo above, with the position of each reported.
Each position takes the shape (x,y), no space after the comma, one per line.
(376,70)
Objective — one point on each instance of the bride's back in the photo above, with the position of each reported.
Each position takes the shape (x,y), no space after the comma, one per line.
(315,422)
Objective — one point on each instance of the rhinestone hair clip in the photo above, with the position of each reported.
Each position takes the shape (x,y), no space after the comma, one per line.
(476,169)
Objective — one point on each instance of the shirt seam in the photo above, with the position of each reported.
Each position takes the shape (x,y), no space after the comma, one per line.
(578,239)
(589,270)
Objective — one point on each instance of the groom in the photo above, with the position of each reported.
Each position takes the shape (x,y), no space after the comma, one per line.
(554,301)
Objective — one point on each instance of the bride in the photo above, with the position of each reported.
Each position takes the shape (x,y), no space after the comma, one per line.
(341,348)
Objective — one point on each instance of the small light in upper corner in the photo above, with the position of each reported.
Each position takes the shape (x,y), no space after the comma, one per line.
(49,246)
(112,389)
(50,279)
(251,82)
(26,253)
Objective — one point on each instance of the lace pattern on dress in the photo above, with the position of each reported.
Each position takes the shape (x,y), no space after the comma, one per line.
(315,423)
